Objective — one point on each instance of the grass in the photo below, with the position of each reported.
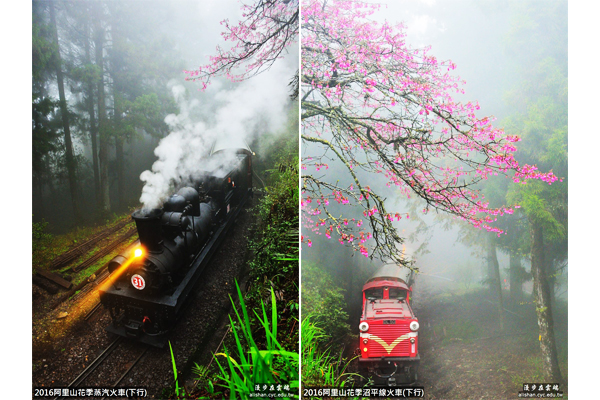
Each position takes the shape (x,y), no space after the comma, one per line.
(244,362)
(247,364)
(534,373)
(205,380)
(462,329)
(470,316)
(262,346)
(319,367)
(46,329)
(84,273)
(179,392)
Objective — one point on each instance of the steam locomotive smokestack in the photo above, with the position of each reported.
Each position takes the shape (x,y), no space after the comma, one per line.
(148,227)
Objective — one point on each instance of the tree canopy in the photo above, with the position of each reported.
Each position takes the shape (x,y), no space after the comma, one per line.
(268,28)
(377,105)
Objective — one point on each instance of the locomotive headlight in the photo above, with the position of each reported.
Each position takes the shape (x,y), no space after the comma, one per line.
(138,252)
(363,326)
(414,326)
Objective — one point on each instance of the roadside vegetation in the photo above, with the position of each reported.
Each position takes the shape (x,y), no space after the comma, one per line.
(459,329)
(322,367)
(324,301)
(326,332)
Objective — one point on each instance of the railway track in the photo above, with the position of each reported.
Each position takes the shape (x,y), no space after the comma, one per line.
(47,280)
(68,257)
(100,361)
(97,276)
(133,364)
(92,312)
(105,250)
(101,276)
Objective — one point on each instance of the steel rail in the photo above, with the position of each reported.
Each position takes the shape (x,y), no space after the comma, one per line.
(88,288)
(72,254)
(106,250)
(92,311)
(93,365)
(129,369)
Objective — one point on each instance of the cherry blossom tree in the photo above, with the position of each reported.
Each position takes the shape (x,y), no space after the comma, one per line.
(375,105)
(268,28)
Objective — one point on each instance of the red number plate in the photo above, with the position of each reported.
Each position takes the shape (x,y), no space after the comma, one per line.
(138,282)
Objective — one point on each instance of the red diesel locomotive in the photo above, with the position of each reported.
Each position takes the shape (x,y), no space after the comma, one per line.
(388,327)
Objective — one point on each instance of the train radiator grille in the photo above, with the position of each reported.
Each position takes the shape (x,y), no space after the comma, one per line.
(388,341)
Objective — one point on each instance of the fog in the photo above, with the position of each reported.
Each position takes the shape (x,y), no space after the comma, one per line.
(240,112)
(147,47)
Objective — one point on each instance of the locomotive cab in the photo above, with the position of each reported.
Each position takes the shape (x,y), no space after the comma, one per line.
(389,328)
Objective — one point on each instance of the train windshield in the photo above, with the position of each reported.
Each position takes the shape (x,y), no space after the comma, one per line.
(374,293)
(378,293)
(397,293)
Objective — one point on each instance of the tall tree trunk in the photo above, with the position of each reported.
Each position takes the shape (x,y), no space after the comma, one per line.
(516,281)
(93,125)
(102,120)
(496,284)
(70,159)
(120,160)
(482,271)
(543,307)
(38,193)
(118,93)
(491,274)
(49,181)
(551,278)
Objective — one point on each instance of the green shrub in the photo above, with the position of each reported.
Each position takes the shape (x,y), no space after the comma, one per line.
(324,300)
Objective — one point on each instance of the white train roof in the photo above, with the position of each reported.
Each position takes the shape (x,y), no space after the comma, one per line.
(229,143)
(393,271)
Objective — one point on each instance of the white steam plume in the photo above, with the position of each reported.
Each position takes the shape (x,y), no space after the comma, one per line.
(182,154)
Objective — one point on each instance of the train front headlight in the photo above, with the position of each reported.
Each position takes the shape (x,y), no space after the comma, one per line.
(414,326)
(363,326)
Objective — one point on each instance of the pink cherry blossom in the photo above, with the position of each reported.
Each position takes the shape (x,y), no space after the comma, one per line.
(372,102)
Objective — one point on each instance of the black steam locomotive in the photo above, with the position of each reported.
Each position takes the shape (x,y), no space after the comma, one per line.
(151,280)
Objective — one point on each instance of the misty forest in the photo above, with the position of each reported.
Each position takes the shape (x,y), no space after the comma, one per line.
(119,124)
(454,169)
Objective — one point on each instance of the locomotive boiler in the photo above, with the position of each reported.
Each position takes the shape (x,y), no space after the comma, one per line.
(389,336)
(150,282)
